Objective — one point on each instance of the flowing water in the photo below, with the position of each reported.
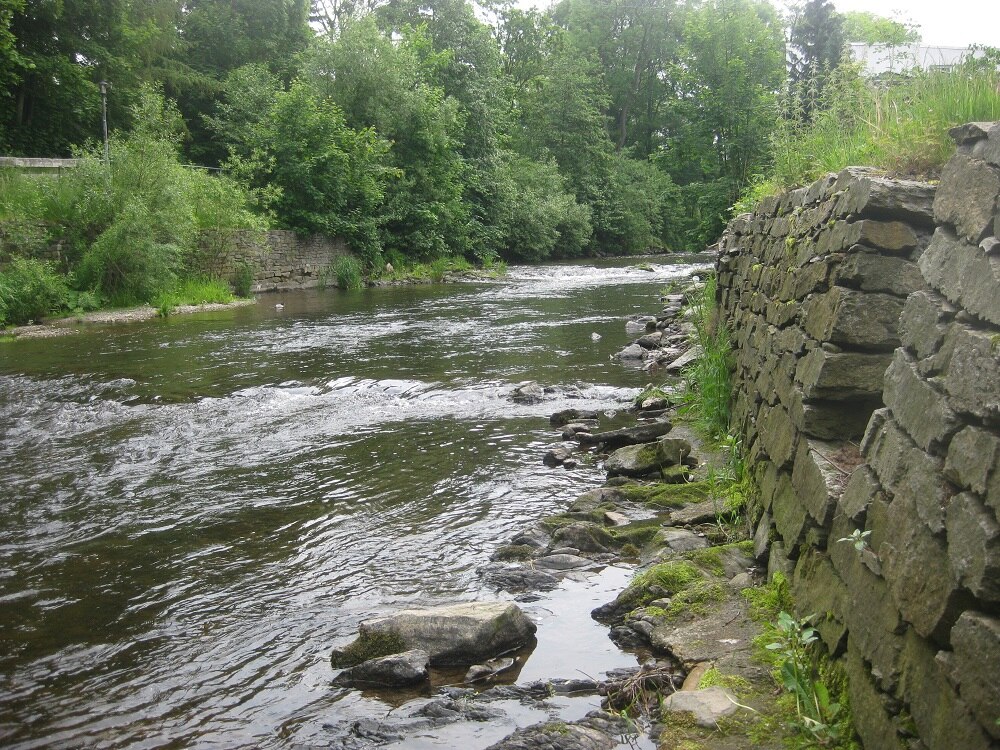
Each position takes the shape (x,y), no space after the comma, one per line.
(194,510)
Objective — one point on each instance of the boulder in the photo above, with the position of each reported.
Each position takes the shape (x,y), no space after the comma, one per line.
(685,359)
(584,536)
(706,706)
(528,393)
(395,670)
(648,458)
(556,455)
(643,433)
(632,351)
(458,634)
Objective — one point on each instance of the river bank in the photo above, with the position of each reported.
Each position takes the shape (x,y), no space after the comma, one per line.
(670,510)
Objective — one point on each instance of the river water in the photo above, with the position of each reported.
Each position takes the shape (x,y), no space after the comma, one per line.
(194,510)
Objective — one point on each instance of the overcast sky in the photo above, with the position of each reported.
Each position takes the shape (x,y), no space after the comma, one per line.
(946,23)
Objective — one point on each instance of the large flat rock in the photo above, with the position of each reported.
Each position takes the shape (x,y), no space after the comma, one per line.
(460,634)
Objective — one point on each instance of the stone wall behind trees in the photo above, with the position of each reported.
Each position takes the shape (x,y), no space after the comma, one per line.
(855,292)
(280,259)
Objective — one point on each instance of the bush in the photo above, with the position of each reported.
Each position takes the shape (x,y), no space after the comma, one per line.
(29,290)
(243,279)
(347,271)
(126,264)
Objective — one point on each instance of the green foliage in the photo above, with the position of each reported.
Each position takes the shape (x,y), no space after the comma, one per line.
(707,381)
(243,277)
(194,291)
(325,176)
(767,601)
(820,714)
(900,126)
(347,271)
(869,28)
(29,290)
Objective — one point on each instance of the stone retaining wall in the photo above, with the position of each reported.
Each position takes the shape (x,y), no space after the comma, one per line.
(842,296)
(286,261)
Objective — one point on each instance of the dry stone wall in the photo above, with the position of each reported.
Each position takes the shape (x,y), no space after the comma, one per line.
(284,260)
(866,319)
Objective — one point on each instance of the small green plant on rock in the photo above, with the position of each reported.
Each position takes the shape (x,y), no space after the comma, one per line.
(859,539)
(818,715)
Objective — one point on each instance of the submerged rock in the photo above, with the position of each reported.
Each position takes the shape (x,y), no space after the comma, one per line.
(478,672)
(528,393)
(597,731)
(566,416)
(458,634)
(395,670)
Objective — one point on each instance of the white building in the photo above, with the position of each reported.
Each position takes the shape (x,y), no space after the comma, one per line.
(879,59)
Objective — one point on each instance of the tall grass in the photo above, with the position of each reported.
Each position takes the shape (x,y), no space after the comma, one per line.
(899,126)
(708,380)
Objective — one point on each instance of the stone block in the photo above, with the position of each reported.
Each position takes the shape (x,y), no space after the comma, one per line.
(924,322)
(762,537)
(853,318)
(871,272)
(868,194)
(830,420)
(778,434)
(893,236)
(872,617)
(973,456)
(810,278)
(964,274)
(817,589)
(861,489)
(918,570)
(905,470)
(966,197)
(943,720)
(974,546)
(779,562)
(827,375)
(976,637)
(790,517)
(817,480)
(872,717)
(917,405)
(973,377)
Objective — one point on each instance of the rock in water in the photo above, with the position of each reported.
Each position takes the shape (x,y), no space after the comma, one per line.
(528,393)
(458,634)
(395,670)
(484,671)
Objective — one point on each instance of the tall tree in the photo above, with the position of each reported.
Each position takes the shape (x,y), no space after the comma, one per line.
(635,40)
(816,45)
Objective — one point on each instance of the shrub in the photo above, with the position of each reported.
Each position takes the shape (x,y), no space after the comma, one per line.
(29,290)
(243,279)
(347,270)
(126,264)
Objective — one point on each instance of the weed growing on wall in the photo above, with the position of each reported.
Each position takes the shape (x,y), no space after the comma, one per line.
(708,380)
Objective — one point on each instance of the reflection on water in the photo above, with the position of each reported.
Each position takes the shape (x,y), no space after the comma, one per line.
(195,509)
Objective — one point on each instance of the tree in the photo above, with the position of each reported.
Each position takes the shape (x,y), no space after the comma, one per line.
(634,40)
(868,28)
(329,177)
(816,44)
(389,87)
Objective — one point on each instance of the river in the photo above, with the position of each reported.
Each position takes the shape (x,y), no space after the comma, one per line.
(194,510)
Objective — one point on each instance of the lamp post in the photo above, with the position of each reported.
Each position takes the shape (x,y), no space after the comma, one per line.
(104,118)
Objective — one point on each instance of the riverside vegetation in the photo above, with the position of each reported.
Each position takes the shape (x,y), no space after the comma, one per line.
(423,135)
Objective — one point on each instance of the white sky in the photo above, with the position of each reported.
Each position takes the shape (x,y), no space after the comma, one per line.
(943,23)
